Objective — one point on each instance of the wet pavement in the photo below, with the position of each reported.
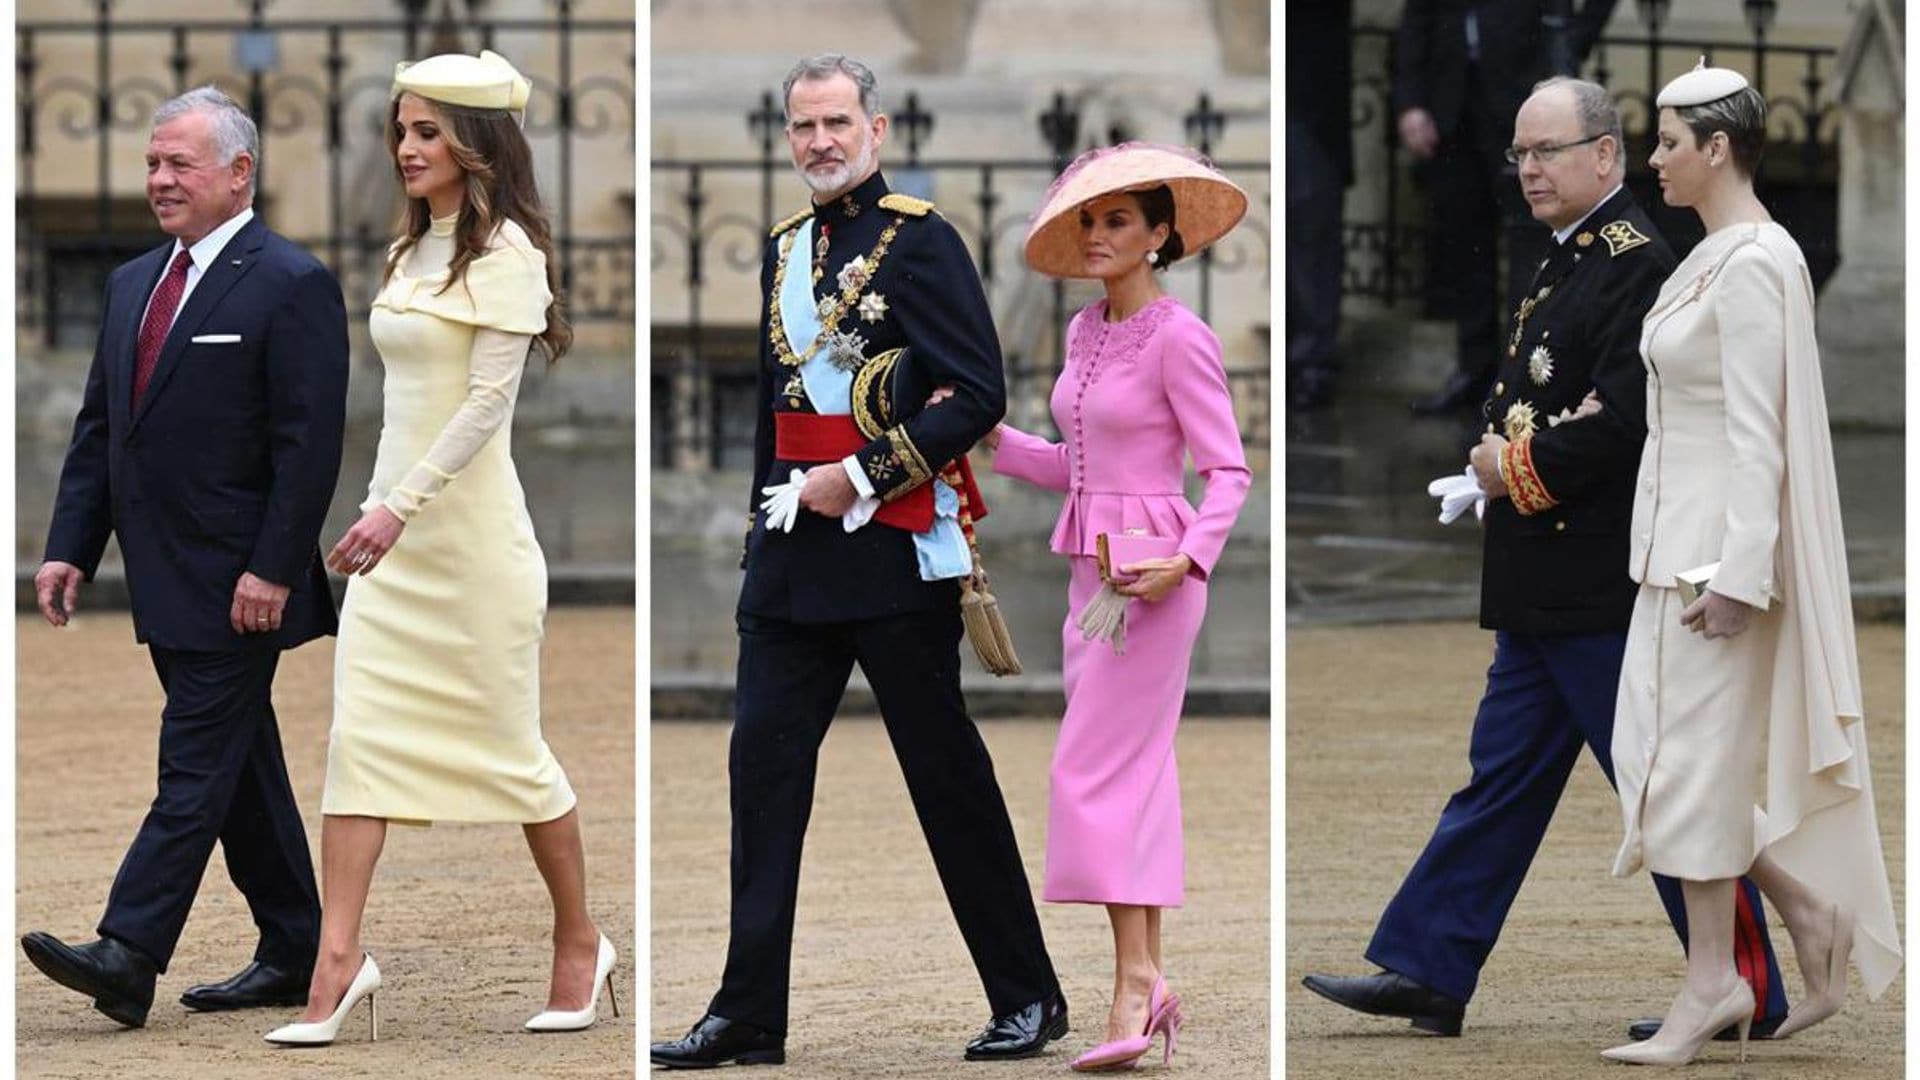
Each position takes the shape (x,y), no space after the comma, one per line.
(1364,544)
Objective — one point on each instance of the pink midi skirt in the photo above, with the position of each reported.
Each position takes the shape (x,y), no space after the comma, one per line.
(1113,807)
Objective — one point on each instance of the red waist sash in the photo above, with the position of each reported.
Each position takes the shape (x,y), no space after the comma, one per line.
(813,438)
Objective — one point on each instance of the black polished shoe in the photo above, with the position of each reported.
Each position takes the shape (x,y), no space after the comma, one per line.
(1642,1030)
(1460,392)
(256,985)
(716,1040)
(1023,1032)
(1392,994)
(117,978)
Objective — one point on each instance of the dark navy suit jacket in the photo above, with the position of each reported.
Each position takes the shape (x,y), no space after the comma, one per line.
(230,461)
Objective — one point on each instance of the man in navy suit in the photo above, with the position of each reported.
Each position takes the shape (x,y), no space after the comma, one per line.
(208,441)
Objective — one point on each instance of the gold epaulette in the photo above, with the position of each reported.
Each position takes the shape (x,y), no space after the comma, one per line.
(1621,236)
(790,222)
(905,204)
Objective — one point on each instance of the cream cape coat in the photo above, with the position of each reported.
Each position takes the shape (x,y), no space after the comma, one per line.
(1742,472)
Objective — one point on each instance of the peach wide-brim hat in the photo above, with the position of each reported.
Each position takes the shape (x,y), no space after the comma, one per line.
(1206,205)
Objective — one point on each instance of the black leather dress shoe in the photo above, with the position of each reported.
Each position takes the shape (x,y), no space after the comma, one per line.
(1390,993)
(256,985)
(1023,1032)
(716,1040)
(118,979)
(1642,1030)
(1460,392)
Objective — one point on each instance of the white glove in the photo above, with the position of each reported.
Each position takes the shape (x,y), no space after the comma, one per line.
(782,502)
(862,512)
(1456,493)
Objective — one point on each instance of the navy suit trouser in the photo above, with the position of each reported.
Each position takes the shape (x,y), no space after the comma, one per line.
(1545,696)
(790,680)
(222,778)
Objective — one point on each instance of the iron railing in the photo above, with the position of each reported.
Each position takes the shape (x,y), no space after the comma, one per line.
(301,79)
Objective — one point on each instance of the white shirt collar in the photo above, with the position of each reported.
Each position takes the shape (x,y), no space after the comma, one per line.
(1560,235)
(210,245)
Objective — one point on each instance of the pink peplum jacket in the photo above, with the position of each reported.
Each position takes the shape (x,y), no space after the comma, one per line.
(1135,398)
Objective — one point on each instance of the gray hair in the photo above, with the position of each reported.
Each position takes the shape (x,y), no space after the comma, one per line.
(1742,115)
(1593,106)
(234,132)
(827,65)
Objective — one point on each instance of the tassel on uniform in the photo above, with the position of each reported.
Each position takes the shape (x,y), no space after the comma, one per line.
(1105,618)
(986,627)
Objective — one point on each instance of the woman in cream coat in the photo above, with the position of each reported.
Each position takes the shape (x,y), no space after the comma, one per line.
(1738,740)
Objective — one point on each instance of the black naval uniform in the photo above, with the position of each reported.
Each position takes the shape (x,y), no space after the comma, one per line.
(1554,587)
(818,599)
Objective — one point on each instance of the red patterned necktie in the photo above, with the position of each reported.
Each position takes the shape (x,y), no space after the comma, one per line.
(153,331)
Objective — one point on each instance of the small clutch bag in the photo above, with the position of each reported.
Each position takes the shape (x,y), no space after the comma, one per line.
(1116,550)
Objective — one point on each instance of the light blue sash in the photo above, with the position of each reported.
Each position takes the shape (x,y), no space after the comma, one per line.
(829,388)
(942,550)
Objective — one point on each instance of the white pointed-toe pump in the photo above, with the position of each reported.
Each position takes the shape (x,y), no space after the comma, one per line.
(322,1032)
(581,1019)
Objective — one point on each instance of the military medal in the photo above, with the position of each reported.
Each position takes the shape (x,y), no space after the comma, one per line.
(1540,365)
(873,307)
(832,309)
(845,349)
(1521,419)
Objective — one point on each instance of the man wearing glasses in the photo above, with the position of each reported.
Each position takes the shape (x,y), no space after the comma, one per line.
(1564,429)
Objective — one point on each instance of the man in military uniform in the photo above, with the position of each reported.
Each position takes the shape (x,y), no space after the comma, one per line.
(1554,587)
(855,559)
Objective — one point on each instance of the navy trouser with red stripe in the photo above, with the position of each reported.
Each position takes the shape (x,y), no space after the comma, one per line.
(1545,697)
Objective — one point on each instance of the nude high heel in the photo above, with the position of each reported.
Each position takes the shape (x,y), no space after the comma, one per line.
(581,1019)
(322,1032)
(1815,1009)
(1735,1008)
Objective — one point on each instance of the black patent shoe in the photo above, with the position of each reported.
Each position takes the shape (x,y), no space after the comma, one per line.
(1390,993)
(716,1040)
(1023,1032)
(255,986)
(117,978)
(1642,1030)
(1459,393)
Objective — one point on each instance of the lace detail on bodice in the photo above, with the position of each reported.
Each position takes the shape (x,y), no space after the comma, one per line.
(1094,343)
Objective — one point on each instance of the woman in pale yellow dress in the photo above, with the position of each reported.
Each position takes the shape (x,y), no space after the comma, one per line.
(437,670)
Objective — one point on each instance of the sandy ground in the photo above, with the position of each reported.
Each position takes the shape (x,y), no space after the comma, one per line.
(458,920)
(882,986)
(1377,724)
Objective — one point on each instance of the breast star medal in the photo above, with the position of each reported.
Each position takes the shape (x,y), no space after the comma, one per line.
(845,349)
(853,276)
(1540,365)
(873,307)
(1521,420)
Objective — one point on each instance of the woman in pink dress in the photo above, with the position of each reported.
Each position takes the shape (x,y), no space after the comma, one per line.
(1142,389)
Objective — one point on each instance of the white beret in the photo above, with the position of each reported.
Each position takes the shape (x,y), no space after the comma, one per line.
(486,81)
(1701,85)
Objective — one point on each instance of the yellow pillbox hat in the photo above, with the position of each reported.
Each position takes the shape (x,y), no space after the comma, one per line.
(486,81)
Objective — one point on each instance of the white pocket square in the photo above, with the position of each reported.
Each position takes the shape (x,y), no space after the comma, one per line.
(215,339)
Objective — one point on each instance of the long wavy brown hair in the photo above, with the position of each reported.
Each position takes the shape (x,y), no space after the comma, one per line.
(498,164)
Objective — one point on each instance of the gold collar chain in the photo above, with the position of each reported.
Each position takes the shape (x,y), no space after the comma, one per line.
(832,310)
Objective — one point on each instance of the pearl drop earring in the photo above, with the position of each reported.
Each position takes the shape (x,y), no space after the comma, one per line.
(1153,257)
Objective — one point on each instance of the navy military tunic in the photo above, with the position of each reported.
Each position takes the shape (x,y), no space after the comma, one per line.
(1555,556)
(924,293)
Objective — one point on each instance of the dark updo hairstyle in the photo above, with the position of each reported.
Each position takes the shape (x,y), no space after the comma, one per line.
(1156,205)
(1742,115)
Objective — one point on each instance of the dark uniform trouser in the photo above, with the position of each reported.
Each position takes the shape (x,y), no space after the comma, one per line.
(790,680)
(222,777)
(1316,258)
(1544,696)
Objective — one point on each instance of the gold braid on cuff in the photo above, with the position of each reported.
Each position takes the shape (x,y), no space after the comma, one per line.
(1527,491)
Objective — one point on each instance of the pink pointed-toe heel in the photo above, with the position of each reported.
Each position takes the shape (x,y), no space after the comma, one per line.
(1163,1016)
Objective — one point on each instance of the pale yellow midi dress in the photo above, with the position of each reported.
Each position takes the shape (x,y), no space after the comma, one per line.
(437,670)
